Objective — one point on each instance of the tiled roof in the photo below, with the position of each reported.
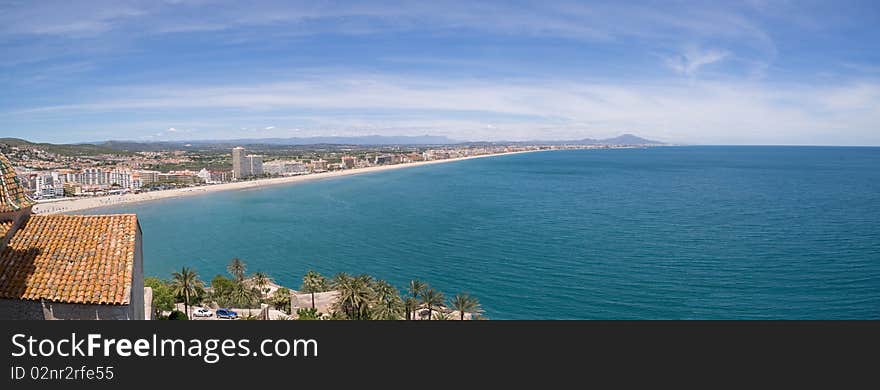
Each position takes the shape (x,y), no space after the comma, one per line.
(71,259)
(12,196)
(4,227)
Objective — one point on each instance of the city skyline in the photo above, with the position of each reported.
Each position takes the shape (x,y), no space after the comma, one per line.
(748,73)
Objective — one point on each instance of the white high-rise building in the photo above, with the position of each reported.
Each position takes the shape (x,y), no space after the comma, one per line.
(245,165)
(255,165)
(238,163)
(285,167)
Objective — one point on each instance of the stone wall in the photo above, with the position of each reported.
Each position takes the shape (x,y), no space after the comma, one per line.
(19,309)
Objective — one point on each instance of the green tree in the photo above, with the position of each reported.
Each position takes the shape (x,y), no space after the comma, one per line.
(313,283)
(281,299)
(387,305)
(465,303)
(441,316)
(431,298)
(244,296)
(306,314)
(237,269)
(163,297)
(409,305)
(186,283)
(221,290)
(355,295)
(261,280)
(416,287)
(177,315)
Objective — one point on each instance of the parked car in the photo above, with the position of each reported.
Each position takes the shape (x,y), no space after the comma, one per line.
(202,312)
(226,313)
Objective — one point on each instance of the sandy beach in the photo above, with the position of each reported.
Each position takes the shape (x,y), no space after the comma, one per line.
(77,204)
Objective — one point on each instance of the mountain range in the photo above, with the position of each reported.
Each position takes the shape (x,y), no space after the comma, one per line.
(109,147)
(379,140)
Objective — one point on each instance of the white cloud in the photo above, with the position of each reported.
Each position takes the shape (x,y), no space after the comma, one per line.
(171,130)
(689,62)
(269,128)
(687,111)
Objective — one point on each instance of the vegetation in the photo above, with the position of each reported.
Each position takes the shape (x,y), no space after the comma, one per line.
(64,150)
(415,288)
(221,290)
(244,296)
(237,268)
(313,283)
(307,314)
(177,315)
(260,281)
(281,299)
(355,295)
(431,299)
(441,316)
(186,283)
(388,304)
(464,303)
(360,297)
(163,296)
(410,304)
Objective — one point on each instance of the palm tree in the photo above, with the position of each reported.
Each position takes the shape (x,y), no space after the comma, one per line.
(465,303)
(260,280)
(355,295)
(388,305)
(432,298)
(341,278)
(243,296)
(416,287)
(410,305)
(281,299)
(186,283)
(313,282)
(441,316)
(237,269)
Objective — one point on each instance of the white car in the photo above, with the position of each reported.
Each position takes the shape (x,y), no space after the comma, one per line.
(202,312)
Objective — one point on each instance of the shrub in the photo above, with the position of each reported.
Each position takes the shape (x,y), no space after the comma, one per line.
(307,314)
(177,315)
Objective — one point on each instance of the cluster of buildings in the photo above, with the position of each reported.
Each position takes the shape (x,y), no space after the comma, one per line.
(67,266)
(125,177)
(244,166)
(101,181)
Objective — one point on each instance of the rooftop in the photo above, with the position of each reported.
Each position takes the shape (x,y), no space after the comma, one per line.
(12,196)
(70,259)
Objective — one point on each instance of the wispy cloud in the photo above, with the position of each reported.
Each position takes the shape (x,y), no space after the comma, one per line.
(499,70)
(689,111)
(689,62)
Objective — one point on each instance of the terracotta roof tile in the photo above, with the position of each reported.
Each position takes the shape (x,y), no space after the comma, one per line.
(4,227)
(12,196)
(70,258)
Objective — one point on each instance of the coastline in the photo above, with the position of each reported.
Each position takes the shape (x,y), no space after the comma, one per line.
(78,204)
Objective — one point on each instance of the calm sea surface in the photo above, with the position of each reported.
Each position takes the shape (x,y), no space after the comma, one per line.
(661,233)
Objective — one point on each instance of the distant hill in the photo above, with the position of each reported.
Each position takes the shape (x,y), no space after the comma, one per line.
(621,140)
(360,140)
(127,147)
(629,139)
(370,140)
(62,149)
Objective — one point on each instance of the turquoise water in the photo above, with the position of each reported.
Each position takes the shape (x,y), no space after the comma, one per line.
(661,233)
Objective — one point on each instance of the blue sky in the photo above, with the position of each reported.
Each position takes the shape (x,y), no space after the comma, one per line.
(752,72)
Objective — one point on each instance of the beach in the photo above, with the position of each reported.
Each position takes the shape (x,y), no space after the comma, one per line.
(85,203)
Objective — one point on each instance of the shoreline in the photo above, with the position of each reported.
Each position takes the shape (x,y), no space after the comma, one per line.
(78,204)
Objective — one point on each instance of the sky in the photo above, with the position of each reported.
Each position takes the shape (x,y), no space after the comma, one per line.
(753,72)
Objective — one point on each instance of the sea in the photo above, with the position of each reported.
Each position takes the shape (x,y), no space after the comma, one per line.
(692,232)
